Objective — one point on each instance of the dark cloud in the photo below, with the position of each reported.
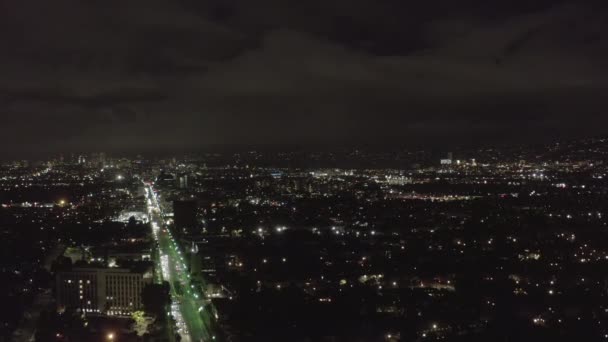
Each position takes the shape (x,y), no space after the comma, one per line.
(158,73)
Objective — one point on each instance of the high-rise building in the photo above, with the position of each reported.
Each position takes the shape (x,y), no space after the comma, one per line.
(183,181)
(195,260)
(98,159)
(184,217)
(449,160)
(110,291)
(165,179)
(398,180)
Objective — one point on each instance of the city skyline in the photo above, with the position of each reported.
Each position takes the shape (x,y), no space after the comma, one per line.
(303,171)
(461,245)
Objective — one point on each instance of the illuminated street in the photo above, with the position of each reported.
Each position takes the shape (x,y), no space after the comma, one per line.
(187,305)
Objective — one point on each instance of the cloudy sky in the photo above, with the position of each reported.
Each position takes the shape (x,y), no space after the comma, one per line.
(146,74)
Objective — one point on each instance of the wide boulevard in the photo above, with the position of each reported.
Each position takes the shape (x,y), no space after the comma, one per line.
(188,308)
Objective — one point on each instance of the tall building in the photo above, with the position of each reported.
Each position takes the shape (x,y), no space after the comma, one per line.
(165,179)
(195,260)
(184,217)
(449,160)
(398,180)
(109,291)
(183,181)
(98,159)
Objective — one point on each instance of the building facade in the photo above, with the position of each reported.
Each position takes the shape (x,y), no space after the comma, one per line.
(109,291)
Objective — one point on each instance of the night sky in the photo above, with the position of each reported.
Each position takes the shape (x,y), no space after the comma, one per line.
(171,74)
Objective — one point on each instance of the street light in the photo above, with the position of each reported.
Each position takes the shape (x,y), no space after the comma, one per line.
(110,337)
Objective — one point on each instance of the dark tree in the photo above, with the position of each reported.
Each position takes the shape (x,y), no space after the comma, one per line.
(155,298)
